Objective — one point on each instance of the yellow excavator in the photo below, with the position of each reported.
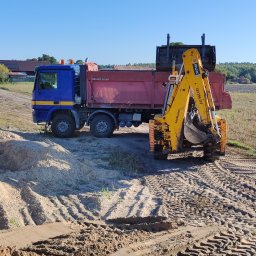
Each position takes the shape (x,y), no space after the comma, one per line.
(188,121)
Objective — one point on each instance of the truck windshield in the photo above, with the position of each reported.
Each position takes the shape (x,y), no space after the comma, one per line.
(47,80)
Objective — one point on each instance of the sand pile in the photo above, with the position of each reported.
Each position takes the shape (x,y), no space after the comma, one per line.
(36,180)
(39,164)
(42,182)
(4,135)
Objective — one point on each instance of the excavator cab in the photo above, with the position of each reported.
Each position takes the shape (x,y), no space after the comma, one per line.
(188,121)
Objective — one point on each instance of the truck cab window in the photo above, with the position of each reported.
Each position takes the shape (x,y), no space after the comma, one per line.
(47,81)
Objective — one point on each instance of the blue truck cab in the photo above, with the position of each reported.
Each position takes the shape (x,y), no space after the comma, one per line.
(53,98)
(59,101)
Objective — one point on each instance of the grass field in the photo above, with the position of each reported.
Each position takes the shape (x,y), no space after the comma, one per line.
(23,87)
(15,111)
(242,121)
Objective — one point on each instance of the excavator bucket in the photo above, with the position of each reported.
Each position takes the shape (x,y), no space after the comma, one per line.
(192,133)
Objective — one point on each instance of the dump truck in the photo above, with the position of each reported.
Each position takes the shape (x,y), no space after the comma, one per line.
(67,97)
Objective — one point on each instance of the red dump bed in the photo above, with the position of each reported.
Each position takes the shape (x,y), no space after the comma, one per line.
(140,89)
(221,98)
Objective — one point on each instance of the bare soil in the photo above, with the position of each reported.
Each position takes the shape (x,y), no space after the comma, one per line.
(131,206)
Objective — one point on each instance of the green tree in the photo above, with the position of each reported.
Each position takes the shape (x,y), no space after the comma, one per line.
(176,43)
(4,72)
(108,66)
(33,59)
(253,74)
(46,57)
(248,76)
(238,72)
(79,62)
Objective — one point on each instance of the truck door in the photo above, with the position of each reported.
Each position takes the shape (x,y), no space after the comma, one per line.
(46,93)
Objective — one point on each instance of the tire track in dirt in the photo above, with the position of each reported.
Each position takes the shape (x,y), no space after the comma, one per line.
(235,189)
(134,201)
(245,182)
(241,166)
(215,199)
(210,210)
(35,207)
(62,211)
(223,243)
(92,239)
(211,194)
(229,193)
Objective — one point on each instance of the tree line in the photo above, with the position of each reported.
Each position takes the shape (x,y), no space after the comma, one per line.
(243,73)
(45,57)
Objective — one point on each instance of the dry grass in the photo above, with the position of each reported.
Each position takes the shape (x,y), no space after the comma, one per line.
(125,161)
(15,111)
(23,87)
(242,120)
(13,120)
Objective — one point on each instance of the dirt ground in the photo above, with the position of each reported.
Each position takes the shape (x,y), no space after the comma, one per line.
(89,196)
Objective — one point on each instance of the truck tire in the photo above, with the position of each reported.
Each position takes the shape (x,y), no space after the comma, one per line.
(102,126)
(63,126)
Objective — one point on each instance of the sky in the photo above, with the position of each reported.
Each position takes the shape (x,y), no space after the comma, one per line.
(121,32)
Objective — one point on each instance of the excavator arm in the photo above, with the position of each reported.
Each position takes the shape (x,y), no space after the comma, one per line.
(188,117)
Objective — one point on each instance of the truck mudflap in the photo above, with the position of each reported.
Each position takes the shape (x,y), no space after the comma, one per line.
(76,117)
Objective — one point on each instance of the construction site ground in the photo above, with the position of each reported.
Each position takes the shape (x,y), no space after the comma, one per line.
(91,196)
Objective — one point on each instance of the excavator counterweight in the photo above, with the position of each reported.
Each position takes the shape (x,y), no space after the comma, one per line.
(188,121)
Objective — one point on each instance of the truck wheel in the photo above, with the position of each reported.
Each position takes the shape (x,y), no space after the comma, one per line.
(63,126)
(102,126)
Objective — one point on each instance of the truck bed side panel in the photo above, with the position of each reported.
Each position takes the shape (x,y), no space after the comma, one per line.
(222,99)
(140,89)
(125,89)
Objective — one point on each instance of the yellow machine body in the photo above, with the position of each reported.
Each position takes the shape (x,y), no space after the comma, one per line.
(190,89)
